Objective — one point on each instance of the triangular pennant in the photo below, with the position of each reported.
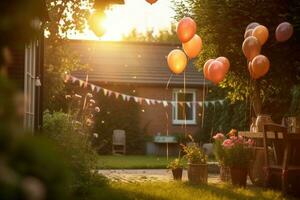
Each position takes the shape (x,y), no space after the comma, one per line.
(180,103)
(136,99)
(147,101)
(128,98)
(105,92)
(152,101)
(73,79)
(109,93)
(206,103)
(86,81)
(117,94)
(221,102)
(173,103)
(140,100)
(165,103)
(200,103)
(124,97)
(158,101)
(97,89)
(93,87)
(81,82)
(188,104)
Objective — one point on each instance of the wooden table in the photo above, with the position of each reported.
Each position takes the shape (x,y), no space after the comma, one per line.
(256,172)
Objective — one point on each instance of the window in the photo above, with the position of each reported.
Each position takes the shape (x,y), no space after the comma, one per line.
(182,111)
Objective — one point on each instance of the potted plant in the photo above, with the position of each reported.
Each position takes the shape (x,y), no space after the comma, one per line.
(177,167)
(238,154)
(197,163)
(219,154)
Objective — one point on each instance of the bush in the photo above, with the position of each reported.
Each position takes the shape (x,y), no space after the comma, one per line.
(76,148)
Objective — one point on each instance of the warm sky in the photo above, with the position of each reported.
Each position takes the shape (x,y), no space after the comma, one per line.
(135,14)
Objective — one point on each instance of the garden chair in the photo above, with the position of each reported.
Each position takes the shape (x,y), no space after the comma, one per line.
(277,153)
(119,142)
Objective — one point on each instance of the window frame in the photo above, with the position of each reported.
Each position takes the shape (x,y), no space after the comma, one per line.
(176,121)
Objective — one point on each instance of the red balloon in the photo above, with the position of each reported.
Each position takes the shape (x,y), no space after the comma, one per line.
(284,31)
(225,62)
(260,66)
(205,68)
(186,29)
(151,1)
(252,74)
(193,47)
(216,71)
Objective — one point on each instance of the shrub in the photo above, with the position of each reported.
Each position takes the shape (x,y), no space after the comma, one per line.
(193,153)
(76,148)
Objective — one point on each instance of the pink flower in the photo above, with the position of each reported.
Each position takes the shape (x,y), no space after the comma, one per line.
(219,136)
(228,143)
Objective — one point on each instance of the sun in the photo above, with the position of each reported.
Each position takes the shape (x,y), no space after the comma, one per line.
(120,20)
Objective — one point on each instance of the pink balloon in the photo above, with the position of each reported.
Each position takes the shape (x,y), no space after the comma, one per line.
(225,62)
(284,31)
(252,25)
(216,71)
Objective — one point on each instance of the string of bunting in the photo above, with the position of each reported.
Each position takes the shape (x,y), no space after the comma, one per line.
(140,100)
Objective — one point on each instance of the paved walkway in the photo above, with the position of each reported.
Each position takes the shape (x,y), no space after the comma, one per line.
(144,175)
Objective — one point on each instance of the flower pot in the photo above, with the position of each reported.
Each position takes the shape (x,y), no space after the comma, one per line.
(225,173)
(197,173)
(177,173)
(238,176)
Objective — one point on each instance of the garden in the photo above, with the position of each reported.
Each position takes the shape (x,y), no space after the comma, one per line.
(185,99)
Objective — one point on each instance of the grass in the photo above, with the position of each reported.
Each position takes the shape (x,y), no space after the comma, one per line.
(184,191)
(132,162)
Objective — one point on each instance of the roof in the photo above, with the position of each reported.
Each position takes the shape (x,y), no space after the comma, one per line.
(131,62)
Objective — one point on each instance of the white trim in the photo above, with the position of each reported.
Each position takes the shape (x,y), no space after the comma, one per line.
(176,121)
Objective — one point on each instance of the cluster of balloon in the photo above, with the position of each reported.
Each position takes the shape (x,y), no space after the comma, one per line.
(215,69)
(151,1)
(191,44)
(255,36)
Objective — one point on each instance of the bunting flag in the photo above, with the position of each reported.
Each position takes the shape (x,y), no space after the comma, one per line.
(125,97)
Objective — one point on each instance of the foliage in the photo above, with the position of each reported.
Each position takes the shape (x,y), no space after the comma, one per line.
(193,153)
(222,117)
(76,148)
(163,36)
(237,152)
(26,162)
(221,25)
(118,114)
(175,164)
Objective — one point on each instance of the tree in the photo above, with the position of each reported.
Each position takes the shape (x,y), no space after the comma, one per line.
(221,25)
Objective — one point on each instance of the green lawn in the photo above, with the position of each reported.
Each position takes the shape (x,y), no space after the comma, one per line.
(183,191)
(132,162)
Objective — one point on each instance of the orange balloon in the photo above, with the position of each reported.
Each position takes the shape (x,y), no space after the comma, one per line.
(186,29)
(177,61)
(260,66)
(216,71)
(205,68)
(251,47)
(151,1)
(252,74)
(225,62)
(193,47)
(248,33)
(261,33)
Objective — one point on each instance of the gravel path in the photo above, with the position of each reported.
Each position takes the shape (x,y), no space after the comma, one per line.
(144,175)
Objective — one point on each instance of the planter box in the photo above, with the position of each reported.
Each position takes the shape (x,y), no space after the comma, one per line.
(197,173)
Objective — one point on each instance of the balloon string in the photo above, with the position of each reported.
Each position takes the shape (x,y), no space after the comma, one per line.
(169,80)
(203,99)
(184,110)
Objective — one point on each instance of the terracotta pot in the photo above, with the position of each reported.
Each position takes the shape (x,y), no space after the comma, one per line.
(261,120)
(197,173)
(225,173)
(177,173)
(238,176)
